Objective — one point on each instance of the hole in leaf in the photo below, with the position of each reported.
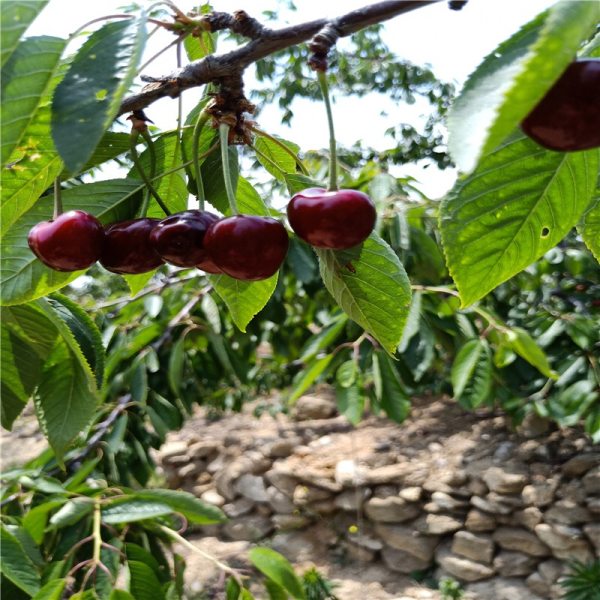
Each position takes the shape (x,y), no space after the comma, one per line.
(545,232)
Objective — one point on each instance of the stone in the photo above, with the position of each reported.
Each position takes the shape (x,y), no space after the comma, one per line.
(515,564)
(438,524)
(573,490)
(402,473)
(529,517)
(238,508)
(279,502)
(479,521)
(218,463)
(521,540)
(593,504)
(383,491)
(533,426)
(296,546)
(392,509)
(591,481)
(477,487)
(252,487)
(478,547)
(282,447)
(403,562)
(173,448)
(349,474)
(539,494)
(567,512)
(212,497)
(289,522)
(203,448)
(313,407)
(592,530)
(580,464)
(537,585)
(305,494)
(322,507)
(550,570)
(489,506)
(462,568)
(250,527)
(501,588)
(282,480)
(358,553)
(403,537)
(366,539)
(352,499)
(190,469)
(503,482)
(320,478)
(447,502)
(225,479)
(567,543)
(411,494)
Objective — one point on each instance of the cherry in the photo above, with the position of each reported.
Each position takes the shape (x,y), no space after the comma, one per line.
(568,117)
(247,247)
(336,220)
(179,238)
(127,248)
(71,242)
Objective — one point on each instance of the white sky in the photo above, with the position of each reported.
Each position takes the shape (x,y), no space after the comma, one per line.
(452,42)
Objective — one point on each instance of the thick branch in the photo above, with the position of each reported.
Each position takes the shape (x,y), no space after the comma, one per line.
(230,66)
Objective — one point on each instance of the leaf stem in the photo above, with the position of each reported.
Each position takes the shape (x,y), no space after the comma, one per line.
(224,138)
(58,206)
(279,143)
(333,185)
(202,119)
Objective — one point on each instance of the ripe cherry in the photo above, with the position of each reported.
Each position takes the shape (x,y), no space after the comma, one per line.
(127,248)
(71,242)
(336,220)
(179,239)
(567,118)
(247,247)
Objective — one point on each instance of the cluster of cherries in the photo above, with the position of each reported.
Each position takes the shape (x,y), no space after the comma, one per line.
(245,247)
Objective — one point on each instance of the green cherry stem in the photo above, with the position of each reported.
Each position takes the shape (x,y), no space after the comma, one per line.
(58,207)
(202,119)
(333,186)
(224,138)
(138,165)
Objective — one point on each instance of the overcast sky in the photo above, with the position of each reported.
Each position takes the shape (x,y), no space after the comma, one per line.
(452,42)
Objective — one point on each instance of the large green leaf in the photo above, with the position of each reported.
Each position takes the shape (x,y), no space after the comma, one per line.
(22,276)
(511,80)
(24,81)
(244,299)
(143,582)
(71,512)
(275,159)
(65,401)
(524,345)
(194,510)
(15,18)
(391,393)
(129,509)
(520,202)
(472,373)
(16,565)
(213,178)
(53,590)
(589,228)
(371,285)
(36,518)
(308,376)
(32,169)
(278,569)
(87,99)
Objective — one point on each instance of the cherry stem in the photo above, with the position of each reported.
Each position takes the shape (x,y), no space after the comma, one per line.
(279,143)
(202,119)
(138,165)
(333,186)
(58,207)
(224,138)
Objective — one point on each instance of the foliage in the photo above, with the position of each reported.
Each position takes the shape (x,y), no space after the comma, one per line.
(582,581)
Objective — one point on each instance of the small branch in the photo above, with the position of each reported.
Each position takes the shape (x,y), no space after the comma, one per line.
(239,22)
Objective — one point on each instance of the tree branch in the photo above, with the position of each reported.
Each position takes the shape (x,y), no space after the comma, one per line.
(229,67)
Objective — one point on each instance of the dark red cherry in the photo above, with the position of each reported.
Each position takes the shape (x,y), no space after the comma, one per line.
(247,247)
(127,248)
(71,242)
(335,220)
(179,238)
(568,117)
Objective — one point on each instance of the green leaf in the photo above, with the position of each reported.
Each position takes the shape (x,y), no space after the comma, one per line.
(120,595)
(36,518)
(371,286)
(15,18)
(304,379)
(589,228)
(278,569)
(513,79)
(351,402)
(472,373)
(87,99)
(518,204)
(194,510)
(213,178)
(248,199)
(392,396)
(176,365)
(136,283)
(65,401)
(524,345)
(22,276)
(53,590)
(200,44)
(71,512)
(324,338)
(24,81)
(139,554)
(143,582)
(16,565)
(296,183)
(244,299)
(211,310)
(131,509)
(278,162)
(346,373)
